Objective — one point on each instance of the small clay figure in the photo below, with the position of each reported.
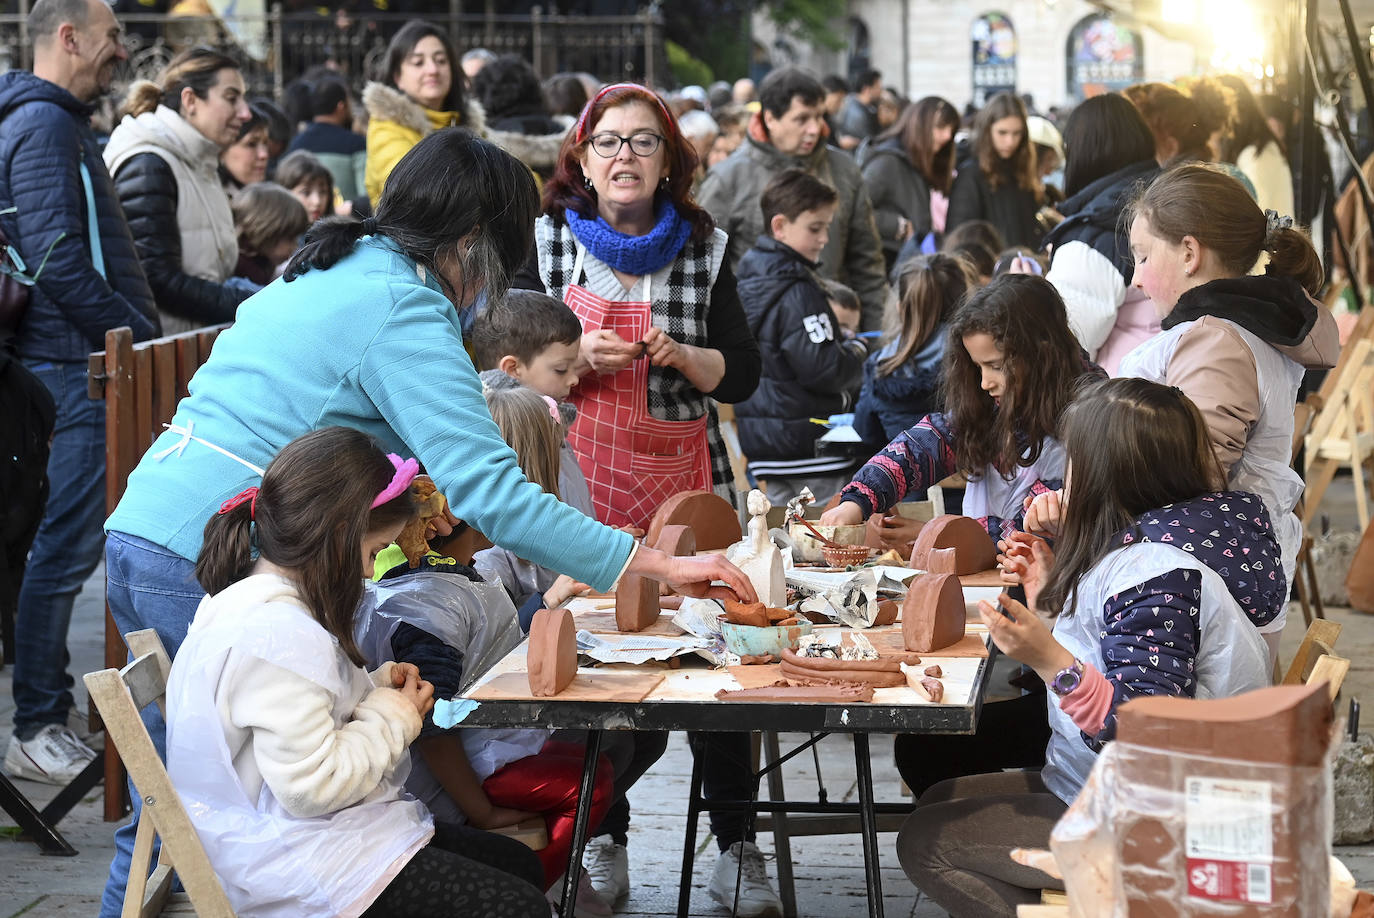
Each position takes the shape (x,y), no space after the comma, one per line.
(636,603)
(551,657)
(709,515)
(974,550)
(933,613)
(758,557)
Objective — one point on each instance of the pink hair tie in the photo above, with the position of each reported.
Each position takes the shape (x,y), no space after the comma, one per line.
(248,494)
(553,409)
(406,470)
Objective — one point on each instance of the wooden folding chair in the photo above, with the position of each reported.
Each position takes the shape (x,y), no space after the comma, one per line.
(141,385)
(1304,571)
(1342,432)
(119,695)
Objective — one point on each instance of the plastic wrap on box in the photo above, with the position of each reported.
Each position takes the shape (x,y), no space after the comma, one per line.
(1183,826)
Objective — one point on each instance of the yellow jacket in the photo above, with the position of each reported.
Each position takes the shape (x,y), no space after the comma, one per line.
(396,123)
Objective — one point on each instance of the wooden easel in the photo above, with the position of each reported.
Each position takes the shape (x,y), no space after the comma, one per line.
(1342,423)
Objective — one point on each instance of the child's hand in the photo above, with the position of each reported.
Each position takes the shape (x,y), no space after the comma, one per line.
(402,672)
(563,589)
(1025,559)
(416,690)
(1044,513)
(846,513)
(1024,637)
(898,533)
(606,352)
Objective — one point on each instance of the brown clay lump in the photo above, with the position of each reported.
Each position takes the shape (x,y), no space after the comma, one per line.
(710,516)
(933,613)
(636,603)
(974,550)
(551,658)
(935,672)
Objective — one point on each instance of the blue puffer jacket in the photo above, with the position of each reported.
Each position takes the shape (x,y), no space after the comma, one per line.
(890,404)
(44,134)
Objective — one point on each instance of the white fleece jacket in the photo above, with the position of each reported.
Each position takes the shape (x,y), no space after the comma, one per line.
(286,755)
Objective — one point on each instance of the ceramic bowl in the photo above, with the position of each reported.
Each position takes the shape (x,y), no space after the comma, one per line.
(845,555)
(753,641)
(808,547)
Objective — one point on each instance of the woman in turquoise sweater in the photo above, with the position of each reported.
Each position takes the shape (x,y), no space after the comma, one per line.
(363,332)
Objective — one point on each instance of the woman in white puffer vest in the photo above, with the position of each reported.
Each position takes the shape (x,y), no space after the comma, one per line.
(164,157)
(1236,344)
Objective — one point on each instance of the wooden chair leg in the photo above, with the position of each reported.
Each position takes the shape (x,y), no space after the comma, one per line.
(1311,570)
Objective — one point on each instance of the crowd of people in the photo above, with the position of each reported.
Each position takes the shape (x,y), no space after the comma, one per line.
(537,292)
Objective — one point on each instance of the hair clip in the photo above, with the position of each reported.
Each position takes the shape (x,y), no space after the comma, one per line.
(553,409)
(1273,223)
(406,470)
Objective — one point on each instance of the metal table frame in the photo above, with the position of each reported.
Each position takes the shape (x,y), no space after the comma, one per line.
(859,720)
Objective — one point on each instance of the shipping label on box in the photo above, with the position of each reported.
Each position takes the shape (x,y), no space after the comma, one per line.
(1230,839)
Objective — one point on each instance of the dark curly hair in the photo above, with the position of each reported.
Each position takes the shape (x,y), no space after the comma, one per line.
(1025,318)
(508,87)
(567,189)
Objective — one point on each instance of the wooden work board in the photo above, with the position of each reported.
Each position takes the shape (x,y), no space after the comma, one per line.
(604,685)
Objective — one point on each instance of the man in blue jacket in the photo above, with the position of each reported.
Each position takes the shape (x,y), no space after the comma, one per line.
(68,228)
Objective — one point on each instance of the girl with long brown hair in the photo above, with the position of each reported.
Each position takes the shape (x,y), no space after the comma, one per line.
(1000,183)
(1236,344)
(904,165)
(281,740)
(902,378)
(1010,368)
(1142,597)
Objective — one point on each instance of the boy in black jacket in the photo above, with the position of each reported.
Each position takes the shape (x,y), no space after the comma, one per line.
(810,369)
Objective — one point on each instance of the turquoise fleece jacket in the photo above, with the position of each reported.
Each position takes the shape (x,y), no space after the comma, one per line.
(366,344)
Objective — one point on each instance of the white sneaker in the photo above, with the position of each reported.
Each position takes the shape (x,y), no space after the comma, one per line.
(607,865)
(53,756)
(587,904)
(756,896)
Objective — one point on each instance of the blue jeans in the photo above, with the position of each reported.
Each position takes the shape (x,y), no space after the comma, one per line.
(64,553)
(147,587)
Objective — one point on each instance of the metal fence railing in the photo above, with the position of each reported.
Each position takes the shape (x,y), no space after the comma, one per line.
(278,47)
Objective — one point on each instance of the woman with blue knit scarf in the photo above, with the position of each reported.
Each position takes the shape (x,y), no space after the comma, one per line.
(643,267)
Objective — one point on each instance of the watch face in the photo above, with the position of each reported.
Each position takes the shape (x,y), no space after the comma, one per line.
(1066,681)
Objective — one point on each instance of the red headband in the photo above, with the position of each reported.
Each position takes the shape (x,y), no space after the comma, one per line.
(668,119)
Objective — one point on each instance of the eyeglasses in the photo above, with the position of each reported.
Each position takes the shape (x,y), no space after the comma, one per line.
(608,145)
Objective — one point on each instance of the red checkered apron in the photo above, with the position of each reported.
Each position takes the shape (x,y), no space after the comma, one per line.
(633,462)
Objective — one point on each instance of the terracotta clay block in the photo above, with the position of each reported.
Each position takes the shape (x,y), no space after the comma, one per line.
(887,613)
(933,613)
(943,561)
(677,540)
(709,515)
(551,658)
(974,550)
(1278,726)
(636,603)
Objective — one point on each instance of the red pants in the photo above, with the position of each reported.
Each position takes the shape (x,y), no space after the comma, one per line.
(548,783)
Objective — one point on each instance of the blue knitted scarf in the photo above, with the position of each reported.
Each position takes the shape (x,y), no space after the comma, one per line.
(633,254)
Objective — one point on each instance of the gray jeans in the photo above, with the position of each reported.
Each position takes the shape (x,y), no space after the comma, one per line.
(956,846)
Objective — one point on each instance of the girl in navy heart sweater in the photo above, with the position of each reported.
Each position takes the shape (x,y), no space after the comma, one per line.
(1157,584)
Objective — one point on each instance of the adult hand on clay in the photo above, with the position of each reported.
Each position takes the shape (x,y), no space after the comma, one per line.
(1024,636)
(1025,559)
(1044,513)
(441,525)
(563,589)
(606,352)
(693,576)
(845,513)
(662,350)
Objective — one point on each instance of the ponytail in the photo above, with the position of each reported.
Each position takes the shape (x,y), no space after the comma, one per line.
(143,96)
(226,554)
(326,243)
(929,288)
(1291,254)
